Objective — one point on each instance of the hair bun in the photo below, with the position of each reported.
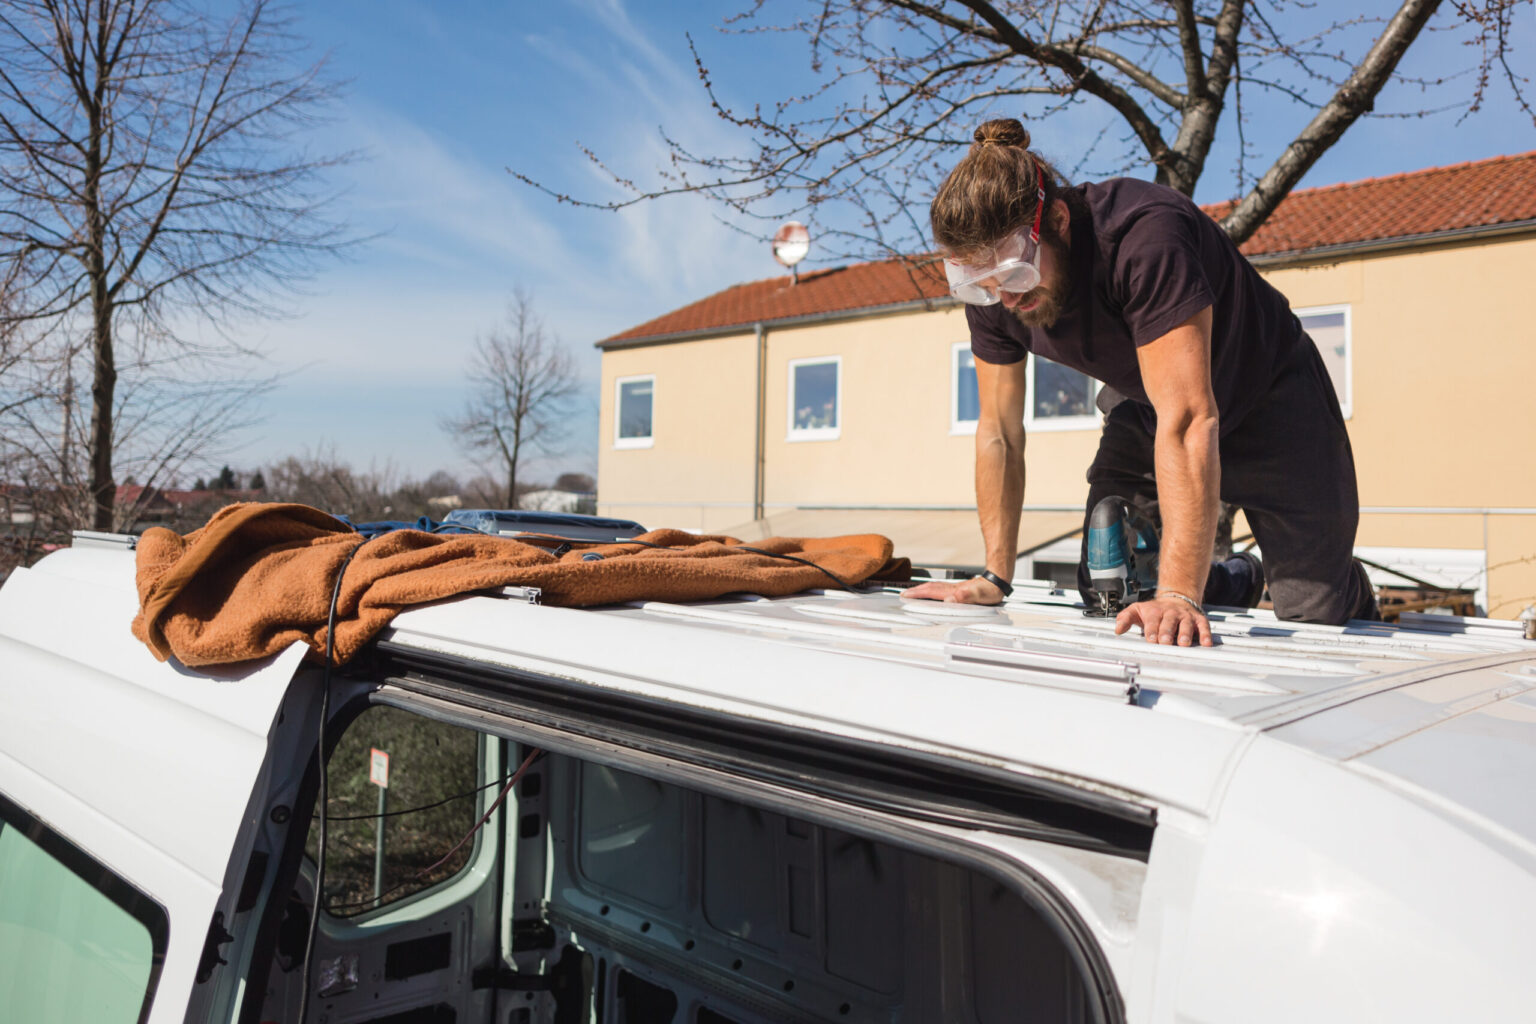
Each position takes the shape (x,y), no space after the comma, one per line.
(1004,131)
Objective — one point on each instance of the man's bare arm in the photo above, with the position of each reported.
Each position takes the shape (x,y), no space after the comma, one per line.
(1000,461)
(1176,372)
(999,481)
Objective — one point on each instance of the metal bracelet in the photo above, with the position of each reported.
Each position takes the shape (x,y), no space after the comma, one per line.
(997,581)
(1183,597)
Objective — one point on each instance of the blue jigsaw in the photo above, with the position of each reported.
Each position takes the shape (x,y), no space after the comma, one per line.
(1122,556)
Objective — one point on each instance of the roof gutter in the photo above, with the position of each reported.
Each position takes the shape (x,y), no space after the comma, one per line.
(861,313)
(1370,245)
(759,453)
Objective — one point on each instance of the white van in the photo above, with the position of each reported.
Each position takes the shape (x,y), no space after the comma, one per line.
(831,807)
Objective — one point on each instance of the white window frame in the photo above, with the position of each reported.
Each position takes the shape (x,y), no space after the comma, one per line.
(957,426)
(618,412)
(1347,402)
(1092,421)
(814,433)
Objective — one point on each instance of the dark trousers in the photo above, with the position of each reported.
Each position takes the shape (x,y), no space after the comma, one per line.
(1289,466)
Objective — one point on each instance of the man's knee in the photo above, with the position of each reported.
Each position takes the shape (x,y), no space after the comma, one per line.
(1332,601)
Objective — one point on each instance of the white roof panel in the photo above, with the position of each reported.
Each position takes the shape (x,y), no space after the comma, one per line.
(1033,685)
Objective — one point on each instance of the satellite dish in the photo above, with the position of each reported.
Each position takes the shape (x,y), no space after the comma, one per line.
(790,243)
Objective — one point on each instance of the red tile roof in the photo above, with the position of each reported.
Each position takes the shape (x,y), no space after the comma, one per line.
(833,290)
(135,494)
(1460,197)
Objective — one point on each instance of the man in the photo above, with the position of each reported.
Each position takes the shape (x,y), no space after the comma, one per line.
(1227,398)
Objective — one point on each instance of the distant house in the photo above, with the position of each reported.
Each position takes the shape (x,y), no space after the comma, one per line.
(153,506)
(16,506)
(555,500)
(846,403)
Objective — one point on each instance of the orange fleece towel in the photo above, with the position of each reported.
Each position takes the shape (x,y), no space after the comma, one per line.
(259,577)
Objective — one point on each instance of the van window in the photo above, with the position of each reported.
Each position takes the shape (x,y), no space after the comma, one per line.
(632,897)
(430,802)
(673,905)
(76,941)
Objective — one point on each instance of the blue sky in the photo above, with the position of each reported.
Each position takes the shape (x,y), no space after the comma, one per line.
(443,98)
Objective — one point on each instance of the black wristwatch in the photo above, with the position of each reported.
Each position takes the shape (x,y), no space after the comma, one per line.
(997,581)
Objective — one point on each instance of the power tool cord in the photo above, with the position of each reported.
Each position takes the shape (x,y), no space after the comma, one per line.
(325,708)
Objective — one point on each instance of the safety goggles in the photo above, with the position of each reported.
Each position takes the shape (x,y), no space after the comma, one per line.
(1012,267)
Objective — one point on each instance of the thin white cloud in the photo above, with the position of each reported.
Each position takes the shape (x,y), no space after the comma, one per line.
(587,71)
(675,248)
(435,194)
(613,16)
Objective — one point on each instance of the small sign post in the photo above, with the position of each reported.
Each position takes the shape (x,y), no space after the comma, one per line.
(378,774)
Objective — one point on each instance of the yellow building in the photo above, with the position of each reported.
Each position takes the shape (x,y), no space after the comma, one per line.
(845,402)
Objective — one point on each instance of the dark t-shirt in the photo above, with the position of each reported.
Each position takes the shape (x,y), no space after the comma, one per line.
(1144,260)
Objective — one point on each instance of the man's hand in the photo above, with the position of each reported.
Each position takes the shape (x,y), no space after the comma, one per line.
(1166,620)
(972,591)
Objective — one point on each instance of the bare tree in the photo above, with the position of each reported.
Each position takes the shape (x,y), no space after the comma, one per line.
(521,384)
(1166,78)
(152,177)
(166,418)
(18,356)
(321,478)
(579,483)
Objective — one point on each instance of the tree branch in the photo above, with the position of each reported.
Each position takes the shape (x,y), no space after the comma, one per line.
(1082,76)
(1355,97)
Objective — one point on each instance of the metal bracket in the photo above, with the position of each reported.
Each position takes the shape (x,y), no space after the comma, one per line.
(1094,677)
(97,539)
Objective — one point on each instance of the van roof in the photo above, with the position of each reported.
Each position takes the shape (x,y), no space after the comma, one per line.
(1264,671)
(1033,686)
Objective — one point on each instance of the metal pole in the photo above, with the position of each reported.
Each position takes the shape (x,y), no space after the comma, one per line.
(378,846)
(759,457)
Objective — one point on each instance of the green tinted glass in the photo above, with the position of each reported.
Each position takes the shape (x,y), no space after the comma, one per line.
(67,951)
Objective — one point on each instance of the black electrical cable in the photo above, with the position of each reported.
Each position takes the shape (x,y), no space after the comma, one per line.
(325,707)
(424,872)
(423,807)
(803,561)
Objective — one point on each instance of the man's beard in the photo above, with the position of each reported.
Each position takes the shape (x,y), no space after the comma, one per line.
(1048,301)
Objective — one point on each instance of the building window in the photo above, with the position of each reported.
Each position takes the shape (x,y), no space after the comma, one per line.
(1329,328)
(964,402)
(632,411)
(1057,398)
(1060,398)
(815,399)
(77,941)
